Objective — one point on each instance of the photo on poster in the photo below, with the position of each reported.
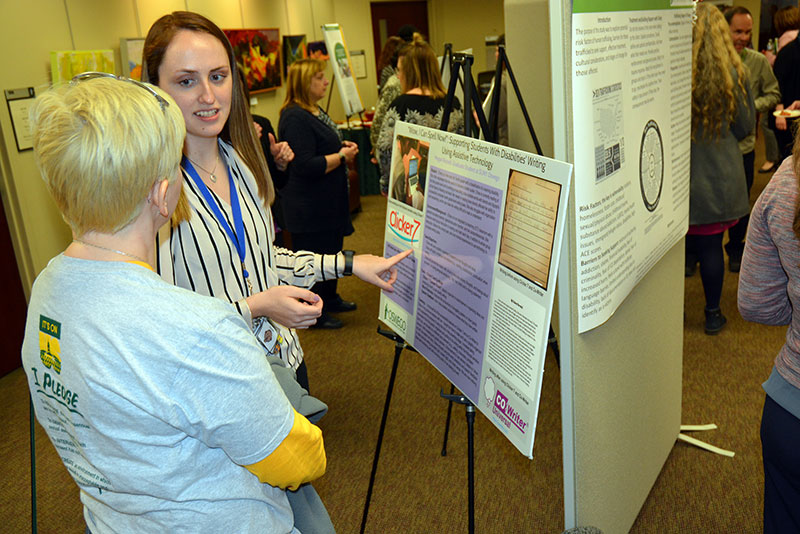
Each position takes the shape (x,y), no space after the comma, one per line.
(529,225)
(409,171)
(609,142)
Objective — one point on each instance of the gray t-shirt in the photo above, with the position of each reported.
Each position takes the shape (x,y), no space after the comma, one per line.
(154,398)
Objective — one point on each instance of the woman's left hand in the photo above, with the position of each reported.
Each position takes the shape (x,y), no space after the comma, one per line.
(282,152)
(350,148)
(374,269)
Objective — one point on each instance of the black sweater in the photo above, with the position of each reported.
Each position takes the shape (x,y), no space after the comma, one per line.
(312,200)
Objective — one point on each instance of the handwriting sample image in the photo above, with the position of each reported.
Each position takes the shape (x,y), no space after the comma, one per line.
(529,222)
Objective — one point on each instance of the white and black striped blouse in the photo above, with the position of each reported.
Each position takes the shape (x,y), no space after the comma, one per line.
(199,255)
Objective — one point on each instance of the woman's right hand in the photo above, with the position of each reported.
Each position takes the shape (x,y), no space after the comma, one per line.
(291,306)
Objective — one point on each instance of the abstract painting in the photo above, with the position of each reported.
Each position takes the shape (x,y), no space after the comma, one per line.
(258,54)
(318,50)
(130,51)
(64,64)
(294,48)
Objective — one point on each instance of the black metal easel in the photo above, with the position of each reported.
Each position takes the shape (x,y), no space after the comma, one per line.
(470,409)
(399,345)
(458,62)
(34,523)
(502,61)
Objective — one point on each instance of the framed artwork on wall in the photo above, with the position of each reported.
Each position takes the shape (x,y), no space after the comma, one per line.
(130,51)
(64,64)
(258,54)
(318,50)
(294,48)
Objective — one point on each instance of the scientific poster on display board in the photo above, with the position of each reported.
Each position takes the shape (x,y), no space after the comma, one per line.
(475,298)
(631,101)
(342,69)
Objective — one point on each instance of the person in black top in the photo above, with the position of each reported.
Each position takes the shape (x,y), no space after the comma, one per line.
(315,198)
(787,71)
(278,157)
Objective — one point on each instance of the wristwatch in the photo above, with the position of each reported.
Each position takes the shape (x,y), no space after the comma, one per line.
(348,262)
(342,159)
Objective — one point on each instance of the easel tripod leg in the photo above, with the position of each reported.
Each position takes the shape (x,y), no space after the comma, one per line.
(447,421)
(34,525)
(397,350)
(471,465)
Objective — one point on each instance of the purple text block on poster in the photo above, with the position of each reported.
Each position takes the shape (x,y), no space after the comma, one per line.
(403,293)
(458,248)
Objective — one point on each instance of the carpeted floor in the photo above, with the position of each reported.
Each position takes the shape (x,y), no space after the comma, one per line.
(419,491)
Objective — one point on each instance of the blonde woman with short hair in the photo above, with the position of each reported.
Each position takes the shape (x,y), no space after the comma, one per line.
(120,363)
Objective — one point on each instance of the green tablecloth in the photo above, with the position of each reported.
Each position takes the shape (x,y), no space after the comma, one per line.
(368,174)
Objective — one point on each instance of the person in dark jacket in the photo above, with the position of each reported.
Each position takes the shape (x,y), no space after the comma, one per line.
(315,200)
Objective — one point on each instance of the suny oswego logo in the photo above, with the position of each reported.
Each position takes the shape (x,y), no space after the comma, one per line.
(404,226)
(392,317)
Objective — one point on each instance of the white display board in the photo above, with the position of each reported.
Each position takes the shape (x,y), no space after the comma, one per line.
(342,69)
(631,80)
(476,296)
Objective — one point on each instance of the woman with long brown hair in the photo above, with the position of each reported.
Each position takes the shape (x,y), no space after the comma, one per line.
(220,243)
(722,114)
(387,63)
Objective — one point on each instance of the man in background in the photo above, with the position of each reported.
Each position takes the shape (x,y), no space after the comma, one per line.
(766,94)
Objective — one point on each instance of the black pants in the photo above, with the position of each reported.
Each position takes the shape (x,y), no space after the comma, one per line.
(780,434)
(736,233)
(785,139)
(327,242)
(708,251)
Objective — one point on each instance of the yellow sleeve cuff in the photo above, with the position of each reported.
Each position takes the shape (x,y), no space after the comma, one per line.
(300,457)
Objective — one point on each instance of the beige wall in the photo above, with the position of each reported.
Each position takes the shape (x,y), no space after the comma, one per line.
(30,30)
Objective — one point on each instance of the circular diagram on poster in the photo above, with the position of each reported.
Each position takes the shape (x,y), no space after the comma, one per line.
(651,165)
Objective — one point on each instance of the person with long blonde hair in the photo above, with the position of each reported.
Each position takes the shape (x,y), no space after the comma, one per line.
(316,198)
(723,113)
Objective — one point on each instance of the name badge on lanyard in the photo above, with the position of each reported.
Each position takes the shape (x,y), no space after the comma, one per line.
(265,330)
(268,334)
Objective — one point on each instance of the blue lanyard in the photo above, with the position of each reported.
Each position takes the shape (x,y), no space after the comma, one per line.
(238,223)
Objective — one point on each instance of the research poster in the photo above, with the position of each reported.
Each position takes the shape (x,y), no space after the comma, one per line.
(342,69)
(631,101)
(475,298)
